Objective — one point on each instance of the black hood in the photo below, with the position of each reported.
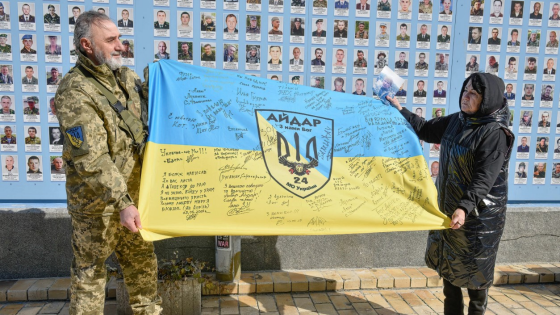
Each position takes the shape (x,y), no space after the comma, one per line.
(491,88)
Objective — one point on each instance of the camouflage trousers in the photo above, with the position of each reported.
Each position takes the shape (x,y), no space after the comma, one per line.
(94,239)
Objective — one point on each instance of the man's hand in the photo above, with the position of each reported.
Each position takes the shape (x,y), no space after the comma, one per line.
(130,218)
(458,219)
(394,102)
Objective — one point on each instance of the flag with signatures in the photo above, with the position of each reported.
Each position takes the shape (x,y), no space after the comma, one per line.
(233,154)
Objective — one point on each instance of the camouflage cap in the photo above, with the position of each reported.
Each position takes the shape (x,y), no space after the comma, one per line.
(3,35)
(253,48)
(33,99)
(50,6)
(295,77)
(383,25)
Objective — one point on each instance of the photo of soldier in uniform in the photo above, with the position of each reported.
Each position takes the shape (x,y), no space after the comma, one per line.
(51,17)
(161,22)
(8,136)
(161,49)
(185,52)
(54,75)
(52,46)
(253,55)
(128,48)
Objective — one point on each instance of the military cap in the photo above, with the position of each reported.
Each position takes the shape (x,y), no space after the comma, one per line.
(361,23)
(26,36)
(52,36)
(50,6)
(317,78)
(3,35)
(319,21)
(33,99)
(1,4)
(275,19)
(526,114)
(253,47)
(382,25)
(54,69)
(297,20)
(253,17)
(295,77)
(126,42)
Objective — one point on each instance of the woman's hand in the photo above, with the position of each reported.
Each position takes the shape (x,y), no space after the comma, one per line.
(394,102)
(458,219)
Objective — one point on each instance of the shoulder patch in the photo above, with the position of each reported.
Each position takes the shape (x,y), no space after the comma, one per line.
(76,136)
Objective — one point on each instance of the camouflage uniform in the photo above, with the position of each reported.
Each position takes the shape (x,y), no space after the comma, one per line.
(4,139)
(5,18)
(49,19)
(11,112)
(103,178)
(360,63)
(51,81)
(183,56)
(425,8)
(127,54)
(29,140)
(30,51)
(29,111)
(256,30)
(320,4)
(421,66)
(6,49)
(57,51)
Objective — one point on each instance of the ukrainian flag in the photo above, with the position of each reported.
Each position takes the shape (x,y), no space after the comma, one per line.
(233,154)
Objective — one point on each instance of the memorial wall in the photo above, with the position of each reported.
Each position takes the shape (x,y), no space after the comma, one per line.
(333,45)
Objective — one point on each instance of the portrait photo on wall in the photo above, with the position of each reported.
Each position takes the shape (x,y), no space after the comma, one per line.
(26,16)
(10,168)
(104,10)
(28,51)
(535,17)
(51,19)
(208,54)
(5,15)
(53,49)
(509,93)
(58,169)
(340,32)
(185,24)
(185,52)
(526,121)
(275,33)
(125,22)
(230,30)
(253,27)
(160,49)
(554,15)
(404,10)
(74,12)
(7,111)
(476,11)
(514,43)
(511,69)
(401,63)
(359,86)
(317,82)
(497,11)
(296,59)
(253,57)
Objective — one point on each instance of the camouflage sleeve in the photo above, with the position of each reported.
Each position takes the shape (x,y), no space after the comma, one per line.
(87,148)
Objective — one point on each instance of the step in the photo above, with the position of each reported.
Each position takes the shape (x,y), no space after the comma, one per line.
(299,281)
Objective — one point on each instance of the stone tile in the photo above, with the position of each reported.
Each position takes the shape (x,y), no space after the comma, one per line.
(340,302)
(319,298)
(417,279)
(316,280)
(384,279)
(266,303)
(229,301)
(364,309)
(545,274)
(29,310)
(300,295)
(11,309)
(529,276)
(412,299)
(210,301)
(264,282)
(401,306)
(347,312)
(350,279)
(282,282)
(229,310)
(433,278)
(514,277)
(210,311)
(386,311)
(377,301)
(285,304)
(299,281)
(38,291)
(59,289)
(246,283)
(554,310)
(554,269)
(18,292)
(228,287)
(367,279)
(326,309)
(500,277)
(4,286)
(498,309)
(355,297)
(304,305)
(248,300)
(521,311)
(52,308)
(402,280)
(535,308)
(66,310)
(334,281)
(506,301)
(424,310)
(247,310)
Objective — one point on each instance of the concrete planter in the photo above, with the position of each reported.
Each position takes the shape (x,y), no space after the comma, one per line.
(178,297)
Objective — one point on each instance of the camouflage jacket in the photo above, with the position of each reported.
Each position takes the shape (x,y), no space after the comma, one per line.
(103,172)
(6,49)
(4,140)
(49,19)
(29,140)
(29,111)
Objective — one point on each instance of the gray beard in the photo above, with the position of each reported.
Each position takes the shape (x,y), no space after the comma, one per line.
(112,63)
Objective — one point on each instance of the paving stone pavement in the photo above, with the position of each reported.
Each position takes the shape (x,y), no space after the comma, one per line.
(519,299)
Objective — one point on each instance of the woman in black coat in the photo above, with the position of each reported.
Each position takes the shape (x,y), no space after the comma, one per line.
(472,189)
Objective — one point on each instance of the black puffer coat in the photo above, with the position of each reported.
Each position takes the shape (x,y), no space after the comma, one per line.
(473,173)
